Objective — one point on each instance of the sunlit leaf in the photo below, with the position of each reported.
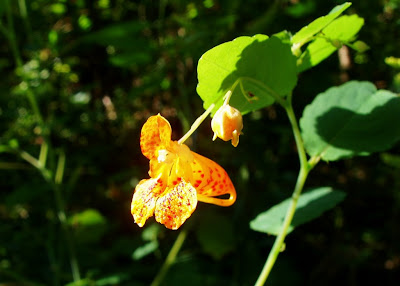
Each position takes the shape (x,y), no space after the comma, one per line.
(350,120)
(318,24)
(264,66)
(310,205)
(341,31)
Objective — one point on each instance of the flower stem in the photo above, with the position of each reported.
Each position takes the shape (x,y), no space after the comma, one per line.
(197,123)
(305,168)
(170,258)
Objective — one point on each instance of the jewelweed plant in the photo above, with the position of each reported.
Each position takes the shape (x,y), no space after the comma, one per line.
(354,119)
(74,127)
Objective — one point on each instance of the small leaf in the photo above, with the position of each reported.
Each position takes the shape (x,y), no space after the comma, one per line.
(151,232)
(340,31)
(124,35)
(309,206)
(115,279)
(393,62)
(89,225)
(145,250)
(344,28)
(359,46)
(391,160)
(315,53)
(350,120)
(130,59)
(263,64)
(317,25)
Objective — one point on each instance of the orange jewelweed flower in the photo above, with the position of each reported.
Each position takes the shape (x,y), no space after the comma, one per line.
(178,178)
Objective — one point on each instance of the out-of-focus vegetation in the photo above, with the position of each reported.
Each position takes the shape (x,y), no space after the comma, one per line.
(79,80)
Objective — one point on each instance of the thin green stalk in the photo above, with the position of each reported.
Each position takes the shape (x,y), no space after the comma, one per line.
(24,14)
(60,169)
(10,34)
(63,217)
(170,258)
(197,123)
(279,241)
(296,132)
(305,168)
(35,163)
(44,150)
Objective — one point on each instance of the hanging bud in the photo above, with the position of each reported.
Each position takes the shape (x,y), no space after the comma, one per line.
(227,124)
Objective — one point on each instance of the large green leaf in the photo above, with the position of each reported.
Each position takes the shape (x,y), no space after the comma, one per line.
(309,206)
(341,31)
(349,120)
(317,25)
(264,66)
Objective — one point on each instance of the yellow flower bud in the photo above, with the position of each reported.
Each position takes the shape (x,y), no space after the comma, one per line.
(227,124)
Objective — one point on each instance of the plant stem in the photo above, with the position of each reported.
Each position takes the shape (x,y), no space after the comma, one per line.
(24,15)
(296,132)
(197,123)
(63,217)
(170,258)
(305,168)
(279,241)
(10,34)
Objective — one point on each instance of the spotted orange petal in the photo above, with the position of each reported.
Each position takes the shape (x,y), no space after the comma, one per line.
(156,133)
(176,205)
(211,180)
(144,199)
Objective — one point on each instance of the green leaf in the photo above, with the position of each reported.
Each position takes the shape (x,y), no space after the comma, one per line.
(215,234)
(264,66)
(89,225)
(145,250)
(350,120)
(115,279)
(391,160)
(359,46)
(393,62)
(339,32)
(123,35)
(317,25)
(316,52)
(310,205)
(344,28)
(130,59)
